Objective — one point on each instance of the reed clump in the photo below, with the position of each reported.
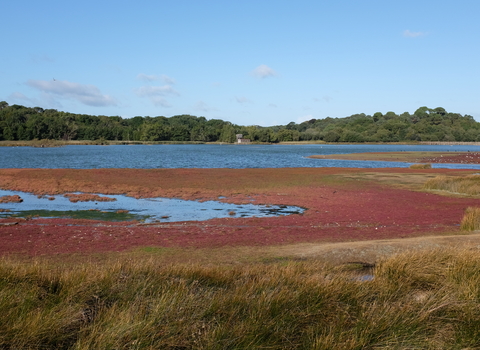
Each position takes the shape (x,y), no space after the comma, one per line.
(471,219)
(421,300)
(469,185)
(421,166)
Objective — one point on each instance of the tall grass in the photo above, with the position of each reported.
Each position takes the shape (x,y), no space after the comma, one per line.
(471,219)
(422,300)
(469,185)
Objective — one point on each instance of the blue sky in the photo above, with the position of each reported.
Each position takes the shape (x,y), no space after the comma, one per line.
(249,62)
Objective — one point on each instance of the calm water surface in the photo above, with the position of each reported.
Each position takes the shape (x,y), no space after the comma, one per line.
(146,209)
(206,156)
(183,156)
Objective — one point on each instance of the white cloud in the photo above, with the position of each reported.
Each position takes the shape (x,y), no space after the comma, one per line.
(156,94)
(263,71)
(409,34)
(87,94)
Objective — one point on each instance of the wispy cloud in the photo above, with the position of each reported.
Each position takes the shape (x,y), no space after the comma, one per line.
(165,78)
(409,34)
(263,71)
(304,118)
(87,94)
(18,97)
(324,98)
(44,100)
(203,107)
(242,99)
(156,91)
(41,59)
(156,94)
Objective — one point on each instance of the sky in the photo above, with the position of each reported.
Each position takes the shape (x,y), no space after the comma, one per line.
(248,62)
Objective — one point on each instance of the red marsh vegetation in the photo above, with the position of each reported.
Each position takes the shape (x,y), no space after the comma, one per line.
(11,199)
(87,197)
(410,157)
(342,205)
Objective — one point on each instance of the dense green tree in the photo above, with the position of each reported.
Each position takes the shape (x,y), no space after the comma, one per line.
(426,124)
(331,136)
(227,134)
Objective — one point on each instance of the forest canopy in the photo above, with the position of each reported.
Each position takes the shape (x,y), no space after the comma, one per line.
(425,124)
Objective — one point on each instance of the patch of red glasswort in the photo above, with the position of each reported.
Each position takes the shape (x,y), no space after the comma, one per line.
(337,210)
(87,197)
(464,158)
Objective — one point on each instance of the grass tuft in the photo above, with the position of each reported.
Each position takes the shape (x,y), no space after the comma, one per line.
(421,166)
(471,219)
(469,185)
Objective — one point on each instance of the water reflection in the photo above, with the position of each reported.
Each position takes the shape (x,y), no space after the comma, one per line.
(129,208)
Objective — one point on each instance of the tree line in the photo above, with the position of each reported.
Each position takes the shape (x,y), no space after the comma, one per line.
(29,123)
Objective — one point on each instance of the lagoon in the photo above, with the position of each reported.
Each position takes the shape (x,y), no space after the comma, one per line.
(123,208)
(209,156)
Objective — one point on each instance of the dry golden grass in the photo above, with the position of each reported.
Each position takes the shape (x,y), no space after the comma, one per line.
(417,300)
(469,185)
(471,219)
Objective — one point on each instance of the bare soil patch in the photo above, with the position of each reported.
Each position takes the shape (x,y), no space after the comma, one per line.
(343,205)
(375,250)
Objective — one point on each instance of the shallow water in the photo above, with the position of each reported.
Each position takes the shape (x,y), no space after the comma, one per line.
(208,156)
(145,209)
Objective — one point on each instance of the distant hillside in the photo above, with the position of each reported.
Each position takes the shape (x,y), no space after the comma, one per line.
(24,123)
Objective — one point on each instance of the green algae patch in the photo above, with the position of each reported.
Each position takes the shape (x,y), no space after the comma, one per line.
(76,214)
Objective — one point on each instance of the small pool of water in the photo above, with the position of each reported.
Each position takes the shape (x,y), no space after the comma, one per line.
(125,208)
